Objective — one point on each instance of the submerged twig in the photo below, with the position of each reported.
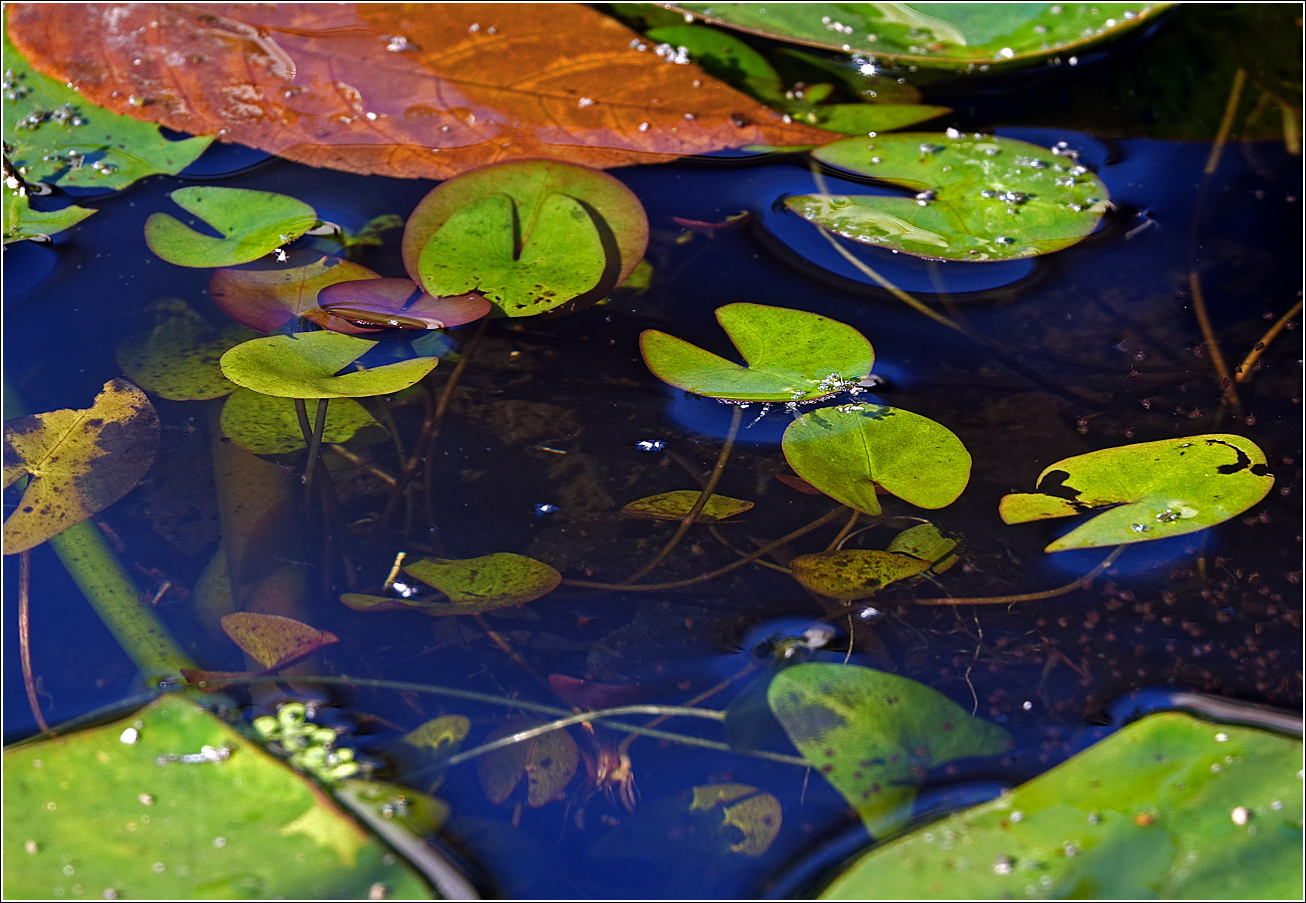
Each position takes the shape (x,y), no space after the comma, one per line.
(1029,597)
(25,635)
(1244,371)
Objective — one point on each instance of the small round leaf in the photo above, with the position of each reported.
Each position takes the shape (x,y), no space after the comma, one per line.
(851,574)
(483,584)
(252,224)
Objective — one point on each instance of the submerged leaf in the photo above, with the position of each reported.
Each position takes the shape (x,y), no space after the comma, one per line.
(851,574)
(267,425)
(874,735)
(754,813)
(676,505)
(1150,490)
(305,366)
(272,640)
(80,462)
(267,296)
(790,355)
(178,358)
(846,451)
(483,584)
(924,541)
(252,224)
(548,762)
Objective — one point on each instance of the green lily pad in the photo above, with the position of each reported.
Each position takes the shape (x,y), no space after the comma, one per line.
(560,255)
(1168,808)
(874,735)
(267,425)
(851,574)
(924,541)
(270,295)
(178,358)
(954,36)
(978,197)
(790,355)
(252,224)
(483,584)
(548,762)
(861,118)
(305,366)
(170,803)
(22,222)
(618,215)
(53,135)
(676,505)
(1151,490)
(846,451)
(80,462)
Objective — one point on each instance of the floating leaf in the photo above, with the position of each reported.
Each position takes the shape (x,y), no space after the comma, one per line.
(22,222)
(754,813)
(548,762)
(178,358)
(390,304)
(676,505)
(616,212)
(483,584)
(1151,490)
(80,461)
(304,366)
(267,425)
(388,89)
(875,735)
(1168,808)
(924,541)
(851,574)
(267,295)
(252,224)
(956,36)
(274,641)
(978,197)
(52,134)
(846,451)
(171,803)
(790,355)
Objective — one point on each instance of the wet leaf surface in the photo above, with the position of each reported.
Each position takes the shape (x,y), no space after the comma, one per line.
(874,735)
(547,762)
(305,366)
(1169,807)
(790,355)
(267,425)
(170,802)
(847,451)
(252,224)
(178,358)
(977,197)
(53,135)
(22,222)
(677,504)
(274,641)
(389,89)
(394,303)
(80,462)
(957,36)
(851,574)
(485,583)
(1150,490)
(267,296)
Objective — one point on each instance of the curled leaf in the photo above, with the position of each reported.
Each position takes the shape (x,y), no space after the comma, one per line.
(390,304)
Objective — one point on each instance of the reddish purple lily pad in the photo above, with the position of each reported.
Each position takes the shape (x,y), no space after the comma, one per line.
(267,296)
(384,304)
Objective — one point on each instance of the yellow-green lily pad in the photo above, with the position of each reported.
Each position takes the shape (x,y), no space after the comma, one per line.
(483,584)
(252,224)
(677,504)
(305,366)
(851,574)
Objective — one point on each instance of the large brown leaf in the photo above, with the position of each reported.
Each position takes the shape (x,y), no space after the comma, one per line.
(411,90)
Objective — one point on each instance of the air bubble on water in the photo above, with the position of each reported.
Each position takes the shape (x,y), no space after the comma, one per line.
(651,445)
(545,508)
(1002,865)
(1140,528)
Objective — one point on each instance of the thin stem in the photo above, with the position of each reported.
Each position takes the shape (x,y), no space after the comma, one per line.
(502,642)
(1029,597)
(1291,137)
(716,534)
(359,461)
(624,748)
(1226,122)
(1244,371)
(712,575)
(24,635)
(847,528)
(314,444)
(1227,385)
(736,418)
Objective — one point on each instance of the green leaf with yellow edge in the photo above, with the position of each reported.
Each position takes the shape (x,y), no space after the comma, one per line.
(170,803)
(178,358)
(924,541)
(251,223)
(1167,808)
(677,504)
(305,366)
(874,735)
(21,221)
(1149,490)
(267,425)
(483,584)
(846,451)
(790,355)
(548,762)
(851,574)
(80,462)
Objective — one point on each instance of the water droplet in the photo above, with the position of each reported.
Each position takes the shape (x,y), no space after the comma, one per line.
(1240,815)
(650,445)
(1002,865)
(1140,528)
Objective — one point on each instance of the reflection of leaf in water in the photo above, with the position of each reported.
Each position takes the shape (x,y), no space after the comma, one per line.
(548,762)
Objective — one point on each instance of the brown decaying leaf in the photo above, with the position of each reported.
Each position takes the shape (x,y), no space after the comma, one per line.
(409,90)
(274,641)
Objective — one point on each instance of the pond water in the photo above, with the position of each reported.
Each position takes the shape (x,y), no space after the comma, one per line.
(556,423)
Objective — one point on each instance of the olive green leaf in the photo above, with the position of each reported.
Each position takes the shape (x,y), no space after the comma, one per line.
(53,135)
(21,221)
(486,583)
(178,358)
(172,803)
(305,366)
(80,461)
(754,813)
(874,735)
(560,256)
(924,541)
(272,640)
(267,425)
(790,355)
(1150,490)
(252,224)
(846,451)
(426,746)
(548,762)
(851,574)
(976,197)
(1167,808)
(675,505)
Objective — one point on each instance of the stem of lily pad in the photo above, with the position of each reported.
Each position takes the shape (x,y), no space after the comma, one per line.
(315,445)
(735,419)
(1029,597)
(25,633)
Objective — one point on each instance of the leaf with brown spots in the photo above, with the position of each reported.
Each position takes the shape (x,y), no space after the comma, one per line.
(408,90)
(274,641)
(548,762)
(80,462)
